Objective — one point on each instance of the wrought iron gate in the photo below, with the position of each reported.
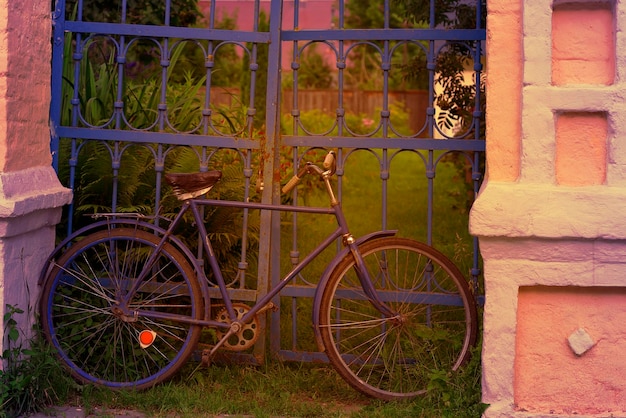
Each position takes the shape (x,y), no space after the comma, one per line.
(134,97)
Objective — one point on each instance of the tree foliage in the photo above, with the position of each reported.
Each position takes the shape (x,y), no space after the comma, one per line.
(364,70)
(370,14)
(314,72)
(457,97)
(145,12)
(451,60)
(260,65)
(227,62)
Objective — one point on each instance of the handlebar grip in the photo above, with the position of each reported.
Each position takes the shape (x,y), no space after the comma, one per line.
(329,161)
(291,184)
(295,179)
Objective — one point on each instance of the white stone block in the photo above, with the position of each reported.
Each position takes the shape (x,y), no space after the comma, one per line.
(580,342)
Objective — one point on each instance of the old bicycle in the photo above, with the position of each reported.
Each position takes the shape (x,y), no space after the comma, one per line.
(124,305)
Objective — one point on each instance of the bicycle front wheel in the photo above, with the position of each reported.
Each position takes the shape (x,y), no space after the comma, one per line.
(82,311)
(433,326)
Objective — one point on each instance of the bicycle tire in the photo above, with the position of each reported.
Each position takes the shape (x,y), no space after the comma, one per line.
(102,347)
(394,358)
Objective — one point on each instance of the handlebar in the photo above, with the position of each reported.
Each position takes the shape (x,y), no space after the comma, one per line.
(330,164)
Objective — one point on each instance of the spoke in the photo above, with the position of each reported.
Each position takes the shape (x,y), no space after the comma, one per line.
(369,354)
(84,306)
(91,342)
(167,330)
(87,281)
(97,342)
(79,320)
(369,319)
(105,267)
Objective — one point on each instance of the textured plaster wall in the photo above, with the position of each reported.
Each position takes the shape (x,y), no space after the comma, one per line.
(30,193)
(551,216)
(583,44)
(504,84)
(24,83)
(567,382)
(581,148)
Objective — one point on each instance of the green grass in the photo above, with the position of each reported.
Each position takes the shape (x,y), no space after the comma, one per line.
(286,390)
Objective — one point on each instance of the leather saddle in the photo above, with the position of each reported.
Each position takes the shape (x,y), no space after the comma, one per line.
(192,185)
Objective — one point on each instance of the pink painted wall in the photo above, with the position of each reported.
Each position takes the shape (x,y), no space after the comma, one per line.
(315,14)
(24,85)
(504,81)
(583,52)
(31,196)
(581,148)
(583,45)
(551,214)
(549,376)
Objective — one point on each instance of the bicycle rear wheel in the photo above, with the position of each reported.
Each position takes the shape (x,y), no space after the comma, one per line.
(81,316)
(434,328)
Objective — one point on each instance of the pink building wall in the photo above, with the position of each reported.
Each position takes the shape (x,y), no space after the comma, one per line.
(313,14)
(551,216)
(31,196)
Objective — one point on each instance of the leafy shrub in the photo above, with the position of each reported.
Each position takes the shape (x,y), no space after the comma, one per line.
(32,378)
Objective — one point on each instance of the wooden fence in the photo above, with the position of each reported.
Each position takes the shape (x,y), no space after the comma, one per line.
(359,102)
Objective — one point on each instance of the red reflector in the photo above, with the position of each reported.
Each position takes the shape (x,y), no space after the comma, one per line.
(146,338)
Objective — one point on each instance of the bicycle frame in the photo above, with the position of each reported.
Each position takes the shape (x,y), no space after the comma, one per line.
(195,206)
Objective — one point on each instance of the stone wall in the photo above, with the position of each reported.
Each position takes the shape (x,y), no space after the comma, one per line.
(551,216)
(31,196)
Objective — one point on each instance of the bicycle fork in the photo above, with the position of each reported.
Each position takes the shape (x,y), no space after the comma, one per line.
(365,279)
(362,272)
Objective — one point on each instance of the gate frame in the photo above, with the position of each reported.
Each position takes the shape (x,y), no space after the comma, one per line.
(269,244)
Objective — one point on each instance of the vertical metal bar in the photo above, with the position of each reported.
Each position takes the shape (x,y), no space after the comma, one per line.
(269,252)
(165,63)
(476,176)
(294,323)
(116,163)
(478,115)
(294,254)
(430,117)
(159,168)
(119,102)
(243,263)
(77,56)
(384,115)
(209,63)
(56,99)
(430,169)
(341,64)
(167,12)
(72,178)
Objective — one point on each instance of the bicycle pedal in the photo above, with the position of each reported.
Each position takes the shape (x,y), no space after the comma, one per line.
(269,307)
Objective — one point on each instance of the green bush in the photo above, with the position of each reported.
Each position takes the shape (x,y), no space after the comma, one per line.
(32,378)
